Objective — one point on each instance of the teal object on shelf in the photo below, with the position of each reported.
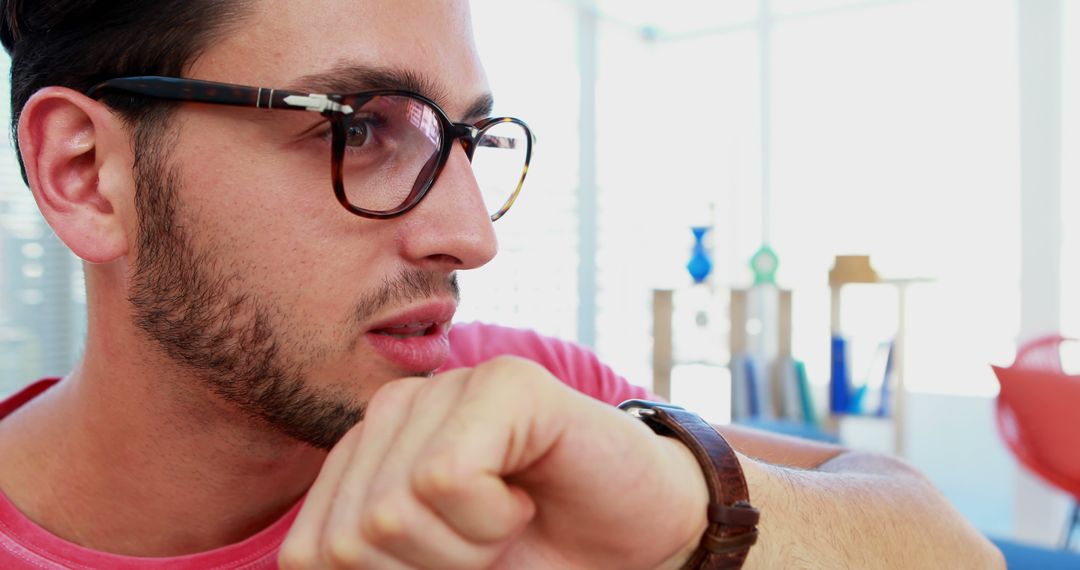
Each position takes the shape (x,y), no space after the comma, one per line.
(700,266)
(764,264)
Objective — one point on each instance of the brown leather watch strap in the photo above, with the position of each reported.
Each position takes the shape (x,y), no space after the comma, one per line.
(732,521)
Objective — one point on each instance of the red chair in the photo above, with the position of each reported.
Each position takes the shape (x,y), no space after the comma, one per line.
(1038,416)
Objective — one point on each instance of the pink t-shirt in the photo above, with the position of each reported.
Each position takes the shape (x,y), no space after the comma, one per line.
(25,545)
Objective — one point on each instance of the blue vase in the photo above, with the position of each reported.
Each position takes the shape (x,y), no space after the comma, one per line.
(700,265)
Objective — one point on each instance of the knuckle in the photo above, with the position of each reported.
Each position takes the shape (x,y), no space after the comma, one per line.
(384,523)
(391,394)
(296,558)
(505,361)
(436,480)
(520,365)
(512,373)
(342,550)
(391,398)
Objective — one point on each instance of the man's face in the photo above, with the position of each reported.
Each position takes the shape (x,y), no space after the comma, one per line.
(248,272)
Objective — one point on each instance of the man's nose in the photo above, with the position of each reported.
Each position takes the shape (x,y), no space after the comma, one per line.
(450,228)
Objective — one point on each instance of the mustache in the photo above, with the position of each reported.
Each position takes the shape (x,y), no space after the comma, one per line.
(406,287)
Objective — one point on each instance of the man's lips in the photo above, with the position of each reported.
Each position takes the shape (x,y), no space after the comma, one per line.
(415,339)
(421,316)
(411,330)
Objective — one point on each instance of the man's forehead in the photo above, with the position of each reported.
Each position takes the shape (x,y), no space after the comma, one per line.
(346,46)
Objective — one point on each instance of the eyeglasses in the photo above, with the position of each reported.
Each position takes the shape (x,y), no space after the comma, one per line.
(387,147)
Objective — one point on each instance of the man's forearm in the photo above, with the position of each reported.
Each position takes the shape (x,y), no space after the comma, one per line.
(859,510)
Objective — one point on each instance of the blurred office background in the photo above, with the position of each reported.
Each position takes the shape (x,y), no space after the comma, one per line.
(938,136)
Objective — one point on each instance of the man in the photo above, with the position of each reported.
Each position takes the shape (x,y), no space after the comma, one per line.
(248,305)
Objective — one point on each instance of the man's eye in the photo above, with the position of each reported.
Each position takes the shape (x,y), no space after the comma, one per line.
(365,130)
(357,133)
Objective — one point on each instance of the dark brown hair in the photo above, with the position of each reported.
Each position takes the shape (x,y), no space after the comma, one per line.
(79,43)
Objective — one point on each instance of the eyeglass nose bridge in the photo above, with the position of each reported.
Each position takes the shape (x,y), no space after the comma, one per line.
(468,135)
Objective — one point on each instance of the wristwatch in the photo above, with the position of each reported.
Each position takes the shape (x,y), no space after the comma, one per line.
(732,521)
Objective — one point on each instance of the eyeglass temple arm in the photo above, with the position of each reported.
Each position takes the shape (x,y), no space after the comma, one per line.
(176,89)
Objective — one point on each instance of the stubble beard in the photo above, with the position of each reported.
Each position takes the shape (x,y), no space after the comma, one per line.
(203,319)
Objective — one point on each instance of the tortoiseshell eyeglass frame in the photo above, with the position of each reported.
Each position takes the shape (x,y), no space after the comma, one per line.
(336,108)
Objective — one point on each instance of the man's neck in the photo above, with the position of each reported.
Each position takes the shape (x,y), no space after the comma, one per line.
(136,454)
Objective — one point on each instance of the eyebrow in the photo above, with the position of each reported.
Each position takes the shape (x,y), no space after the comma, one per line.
(353,78)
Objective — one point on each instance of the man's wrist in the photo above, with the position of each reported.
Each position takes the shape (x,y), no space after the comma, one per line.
(732,520)
(689,480)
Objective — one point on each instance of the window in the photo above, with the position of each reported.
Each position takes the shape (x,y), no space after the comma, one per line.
(893,132)
(42,299)
(528,51)
(1070,175)
(677,146)
(893,138)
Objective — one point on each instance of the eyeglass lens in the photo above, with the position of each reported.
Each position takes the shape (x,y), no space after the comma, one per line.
(498,163)
(392,148)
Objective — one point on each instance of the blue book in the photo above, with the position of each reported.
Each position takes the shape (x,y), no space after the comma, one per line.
(740,402)
(766,395)
(884,410)
(752,387)
(839,378)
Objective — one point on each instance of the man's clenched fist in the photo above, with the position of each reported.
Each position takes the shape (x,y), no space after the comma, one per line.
(499,466)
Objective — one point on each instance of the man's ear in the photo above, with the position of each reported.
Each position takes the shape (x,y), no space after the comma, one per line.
(78,165)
